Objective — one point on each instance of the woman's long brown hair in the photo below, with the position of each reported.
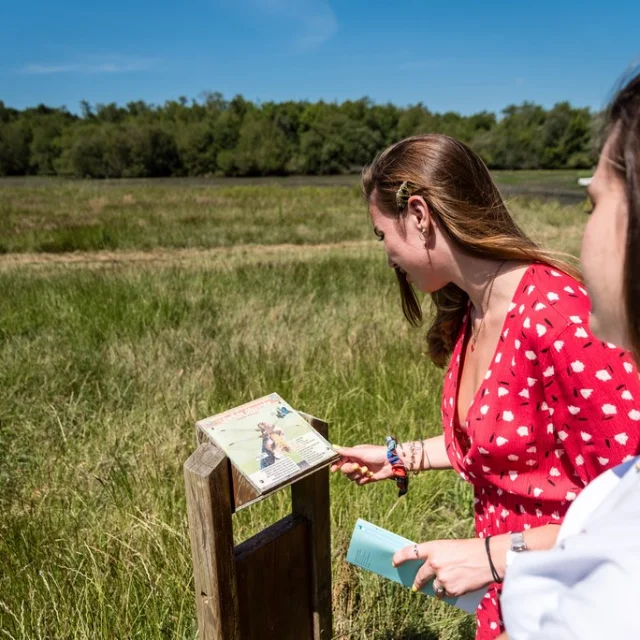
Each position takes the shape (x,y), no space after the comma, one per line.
(466,205)
(624,126)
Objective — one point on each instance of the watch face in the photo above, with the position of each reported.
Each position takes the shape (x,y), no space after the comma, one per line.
(517,542)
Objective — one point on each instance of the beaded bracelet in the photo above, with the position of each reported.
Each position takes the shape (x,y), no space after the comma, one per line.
(414,467)
(425,454)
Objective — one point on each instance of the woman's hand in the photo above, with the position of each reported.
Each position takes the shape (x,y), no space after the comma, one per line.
(458,566)
(363,464)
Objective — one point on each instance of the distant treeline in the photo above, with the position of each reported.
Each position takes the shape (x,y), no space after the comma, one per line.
(214,136)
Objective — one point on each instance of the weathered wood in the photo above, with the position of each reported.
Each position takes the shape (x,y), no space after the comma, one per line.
(201,437)
(208,489)
(274,582)
(244,493)
(310,499)
(278,583)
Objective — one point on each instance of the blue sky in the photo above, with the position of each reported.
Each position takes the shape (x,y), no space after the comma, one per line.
(464,56)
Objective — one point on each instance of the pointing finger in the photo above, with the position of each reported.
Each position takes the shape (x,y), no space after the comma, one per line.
(424,575)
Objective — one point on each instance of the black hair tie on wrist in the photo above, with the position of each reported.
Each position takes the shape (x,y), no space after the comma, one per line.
(494,573)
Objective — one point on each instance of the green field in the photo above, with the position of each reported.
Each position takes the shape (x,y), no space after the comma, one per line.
(197,300)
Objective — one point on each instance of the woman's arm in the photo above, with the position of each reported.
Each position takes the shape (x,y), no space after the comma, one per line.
(367,463)
(462,566)
(536,539)
(599,606)
(586,590)
(429,454)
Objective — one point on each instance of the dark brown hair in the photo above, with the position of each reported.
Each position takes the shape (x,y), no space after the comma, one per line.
(465,204)
(624,126)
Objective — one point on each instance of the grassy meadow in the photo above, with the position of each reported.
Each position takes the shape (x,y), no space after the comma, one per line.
(129,311)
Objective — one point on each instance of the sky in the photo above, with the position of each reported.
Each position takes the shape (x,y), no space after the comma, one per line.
(464,56)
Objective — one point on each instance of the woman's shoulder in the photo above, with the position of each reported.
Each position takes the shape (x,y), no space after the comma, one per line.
(563,294)
(550,302)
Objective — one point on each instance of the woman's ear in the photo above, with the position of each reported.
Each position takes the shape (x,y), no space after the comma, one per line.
(418,212)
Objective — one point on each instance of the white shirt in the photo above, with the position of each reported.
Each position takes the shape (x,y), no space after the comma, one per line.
(588,586)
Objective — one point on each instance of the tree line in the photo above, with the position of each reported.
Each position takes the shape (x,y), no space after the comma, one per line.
(215,136)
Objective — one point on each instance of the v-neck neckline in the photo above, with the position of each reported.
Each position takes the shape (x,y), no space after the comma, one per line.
(461,345)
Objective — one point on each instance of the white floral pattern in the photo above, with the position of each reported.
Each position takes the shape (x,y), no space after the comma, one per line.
(554,390)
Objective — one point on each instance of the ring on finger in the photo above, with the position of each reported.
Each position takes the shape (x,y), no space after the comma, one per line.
(439,590)
(415,551)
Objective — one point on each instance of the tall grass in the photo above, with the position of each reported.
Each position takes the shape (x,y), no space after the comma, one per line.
(86,216)
(63,216)
(105,370)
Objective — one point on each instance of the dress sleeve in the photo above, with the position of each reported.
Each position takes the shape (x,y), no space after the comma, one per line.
(592,396)
(583,615)
(603,602)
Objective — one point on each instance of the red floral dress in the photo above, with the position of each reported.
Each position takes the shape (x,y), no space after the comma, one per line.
(557,408)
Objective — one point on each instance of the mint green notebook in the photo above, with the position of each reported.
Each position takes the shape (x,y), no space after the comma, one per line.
(372,548)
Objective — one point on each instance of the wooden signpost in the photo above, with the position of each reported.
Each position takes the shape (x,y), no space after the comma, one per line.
(277,584)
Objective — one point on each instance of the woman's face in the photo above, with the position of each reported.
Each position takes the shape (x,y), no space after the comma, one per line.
(418,255)
(603,253)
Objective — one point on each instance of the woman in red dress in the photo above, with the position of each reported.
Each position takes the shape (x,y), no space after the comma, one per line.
(533,406)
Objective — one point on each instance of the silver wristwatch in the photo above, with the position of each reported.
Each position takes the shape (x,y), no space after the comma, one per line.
(517,542)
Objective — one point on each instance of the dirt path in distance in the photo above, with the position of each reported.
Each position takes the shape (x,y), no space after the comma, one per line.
(164,256)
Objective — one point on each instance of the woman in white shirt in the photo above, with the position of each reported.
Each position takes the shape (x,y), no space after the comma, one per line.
(588,586)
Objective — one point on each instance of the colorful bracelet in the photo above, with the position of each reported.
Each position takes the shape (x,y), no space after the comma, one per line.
(397,467)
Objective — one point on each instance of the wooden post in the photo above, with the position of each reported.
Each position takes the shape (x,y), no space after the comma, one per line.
(310,499)
(278,583)
(208,487)
(274,582)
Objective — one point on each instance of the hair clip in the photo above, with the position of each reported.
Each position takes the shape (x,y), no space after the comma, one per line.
(402,196)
